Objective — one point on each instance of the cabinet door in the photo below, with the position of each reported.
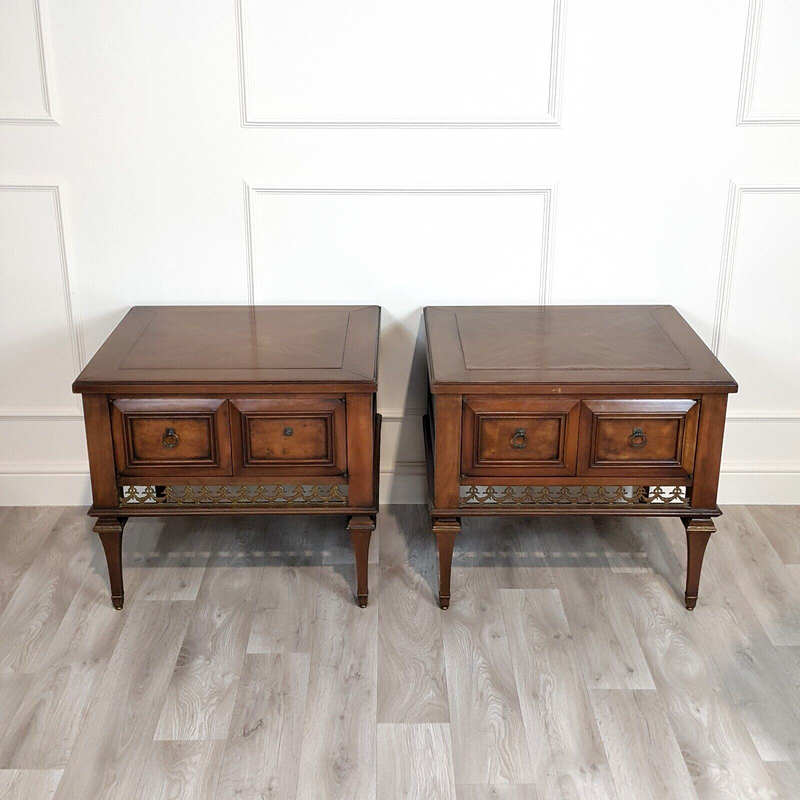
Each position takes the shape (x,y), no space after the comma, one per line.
(169,437)
(519,436)
(638,437)
(289,435)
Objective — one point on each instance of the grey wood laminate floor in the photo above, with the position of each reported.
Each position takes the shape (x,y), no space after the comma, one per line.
(241,667)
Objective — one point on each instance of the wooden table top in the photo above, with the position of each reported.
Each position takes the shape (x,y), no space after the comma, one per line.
(568,348)
(205,346)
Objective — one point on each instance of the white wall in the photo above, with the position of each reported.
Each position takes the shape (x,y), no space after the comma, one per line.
(519,151)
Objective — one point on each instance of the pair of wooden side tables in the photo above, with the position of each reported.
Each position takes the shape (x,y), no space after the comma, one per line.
(597,410)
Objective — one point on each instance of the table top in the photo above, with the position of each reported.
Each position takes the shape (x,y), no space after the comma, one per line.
(200,347)
(568,348)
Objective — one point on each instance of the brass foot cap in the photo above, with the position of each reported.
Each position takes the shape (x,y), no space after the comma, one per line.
(118,602)
(362,600)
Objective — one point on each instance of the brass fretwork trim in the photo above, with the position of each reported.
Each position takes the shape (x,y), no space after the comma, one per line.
(572,496)
(278,495)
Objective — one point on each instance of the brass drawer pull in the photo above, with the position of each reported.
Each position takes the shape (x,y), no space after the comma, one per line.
(287,431)
(170,438)
(637,438)
(519,439)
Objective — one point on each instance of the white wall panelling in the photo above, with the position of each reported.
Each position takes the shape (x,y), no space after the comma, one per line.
(756,327)
(414,149)
(26,95)
(39,326)
(41,424)
(44,484)
(367,63)
(423,236)
(769,93)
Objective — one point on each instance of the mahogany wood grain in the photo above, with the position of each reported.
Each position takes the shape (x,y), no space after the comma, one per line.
(245,478)
(361,449)
(209,510)
(101,450)
(595,396)
(210,396)
(445,529)
(447,451)
(698,532)
(361,527)
(110,531)
(168,436)
(188,349)
(627,436)
(590,349)
(289,435)
(710,429)
(512,435)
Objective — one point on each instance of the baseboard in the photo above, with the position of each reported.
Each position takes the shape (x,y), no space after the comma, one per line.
(405,485)
(759,488)
(45,489)
(51,485)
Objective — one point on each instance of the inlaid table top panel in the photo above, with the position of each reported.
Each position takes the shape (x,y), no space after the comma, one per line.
(568,345)
(207,345)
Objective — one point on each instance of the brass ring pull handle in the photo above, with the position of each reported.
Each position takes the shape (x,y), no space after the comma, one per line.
(170,438)
(637,438)
(519,439)
(287,431)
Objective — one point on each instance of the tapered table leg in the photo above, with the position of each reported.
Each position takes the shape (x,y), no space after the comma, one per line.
(698,532)
(361,527)
(110,531)
(446,529)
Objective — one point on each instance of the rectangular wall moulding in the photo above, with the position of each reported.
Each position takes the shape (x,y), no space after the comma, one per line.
(770,89)
(451,240)
(415,63)
(25,84)
(754,332)
(40,330)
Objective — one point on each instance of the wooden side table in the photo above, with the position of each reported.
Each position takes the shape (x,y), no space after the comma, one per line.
(572,410)
(234,410)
